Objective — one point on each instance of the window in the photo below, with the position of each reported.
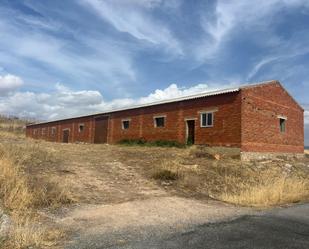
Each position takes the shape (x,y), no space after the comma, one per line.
(43,131)
(125,124)
(53,131)
(282,124)
(207,119)
(159,121)
(81,127)
(34,132)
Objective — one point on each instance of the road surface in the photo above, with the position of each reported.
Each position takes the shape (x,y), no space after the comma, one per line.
(276,228)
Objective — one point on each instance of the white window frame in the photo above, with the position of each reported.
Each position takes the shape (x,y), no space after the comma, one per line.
(285,119)
(212,119)
(79,125)
(122,123)
(155,123)
(43,131)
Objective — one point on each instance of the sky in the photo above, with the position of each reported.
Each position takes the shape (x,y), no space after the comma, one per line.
(66,58)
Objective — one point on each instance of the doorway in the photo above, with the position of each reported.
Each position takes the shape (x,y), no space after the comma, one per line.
(190,131)
(100,130)
(65,135)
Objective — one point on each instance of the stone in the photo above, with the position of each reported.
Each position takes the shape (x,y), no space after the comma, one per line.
(5,223)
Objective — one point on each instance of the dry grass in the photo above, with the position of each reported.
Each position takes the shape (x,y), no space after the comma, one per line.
(222,176)
(25,233)
(19,189)
(12,124)
(23,193)
(270,192)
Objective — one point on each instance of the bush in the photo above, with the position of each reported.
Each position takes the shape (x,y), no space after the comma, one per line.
(158,143)
(132,142)
(165,143)
(165,175)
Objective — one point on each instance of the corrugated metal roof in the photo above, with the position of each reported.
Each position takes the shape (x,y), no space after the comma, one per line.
(183,98)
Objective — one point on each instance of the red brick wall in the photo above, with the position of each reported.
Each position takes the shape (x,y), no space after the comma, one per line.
(246,119)
(260,129)
(226,129)
(71,124)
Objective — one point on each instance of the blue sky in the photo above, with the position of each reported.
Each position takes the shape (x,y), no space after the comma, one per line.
(63,58)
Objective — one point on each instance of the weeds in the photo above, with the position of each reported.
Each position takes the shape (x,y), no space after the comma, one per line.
(22,193)
(158,143)
(269,192)
(26,234)
(230,180)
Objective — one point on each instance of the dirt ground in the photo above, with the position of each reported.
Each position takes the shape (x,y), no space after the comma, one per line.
(109,174)
(113,188)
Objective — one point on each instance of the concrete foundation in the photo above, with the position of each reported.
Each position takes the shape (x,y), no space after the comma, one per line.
(253,156)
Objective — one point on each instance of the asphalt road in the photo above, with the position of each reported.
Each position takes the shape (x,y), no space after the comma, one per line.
(278,228)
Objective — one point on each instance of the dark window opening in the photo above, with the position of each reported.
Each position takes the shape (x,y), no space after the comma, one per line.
(282,122)
(125,124)
(160,122)
(81,128)
(53,130)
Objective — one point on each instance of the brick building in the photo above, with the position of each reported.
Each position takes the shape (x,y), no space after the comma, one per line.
(255,118)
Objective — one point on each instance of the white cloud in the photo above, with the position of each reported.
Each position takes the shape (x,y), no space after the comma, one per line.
(133,18)
(173,91)
(64,102)
(9,83)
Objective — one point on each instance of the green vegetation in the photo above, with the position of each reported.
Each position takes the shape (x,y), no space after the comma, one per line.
(158,143)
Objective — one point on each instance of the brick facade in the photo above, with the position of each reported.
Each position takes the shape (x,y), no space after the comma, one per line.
(246,118)
(260,131)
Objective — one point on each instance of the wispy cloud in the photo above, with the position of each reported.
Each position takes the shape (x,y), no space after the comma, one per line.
(133,17)
(236,16)
(99,61)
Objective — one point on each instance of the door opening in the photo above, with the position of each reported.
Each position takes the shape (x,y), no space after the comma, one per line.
(100,130)
(190,131)
(65,135)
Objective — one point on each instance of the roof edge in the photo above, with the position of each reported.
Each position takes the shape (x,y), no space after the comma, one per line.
(161,102)
(178,99)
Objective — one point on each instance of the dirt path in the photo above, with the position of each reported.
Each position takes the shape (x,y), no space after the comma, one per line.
(102,226)
(114,196)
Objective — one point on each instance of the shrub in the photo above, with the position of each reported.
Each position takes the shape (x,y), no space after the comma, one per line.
(132,142)
(165,175)
(158,143)
(166,143)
